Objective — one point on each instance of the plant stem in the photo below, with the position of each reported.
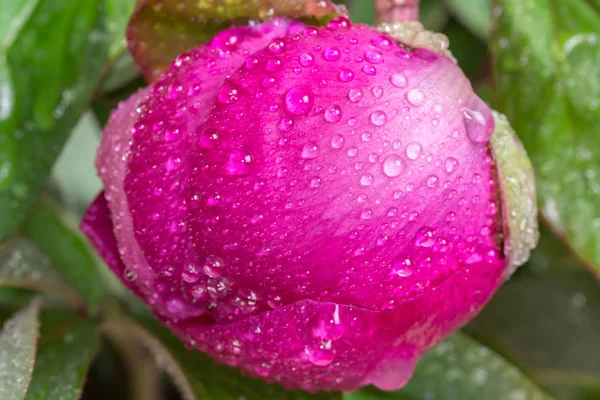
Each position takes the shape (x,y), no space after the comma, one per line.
(397,10)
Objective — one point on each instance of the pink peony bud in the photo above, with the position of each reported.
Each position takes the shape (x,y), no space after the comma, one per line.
(316,206)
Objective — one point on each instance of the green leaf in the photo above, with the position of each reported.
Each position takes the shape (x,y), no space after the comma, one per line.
(66,348)
(52,56)
(24,266)
(517,193)
(18,342)
(68,251)
(162,29)
(547,61)
(74,175)
(196,375)
(362,11)
(460,368)
(470,52)
(474,14)
(547,319)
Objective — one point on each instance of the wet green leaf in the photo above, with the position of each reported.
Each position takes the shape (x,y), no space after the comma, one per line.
(457,369)
(24,266)
(67,249)
(474,14)
(162,29)
(18,343)
(546,319)
(66,348)
(547,60)
(52,56)
(196,375)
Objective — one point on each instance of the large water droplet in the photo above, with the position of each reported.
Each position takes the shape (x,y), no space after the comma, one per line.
(332,54)
(393,165)
(337,141)
(399,80)
(450,164)
(310,151)
(228,94)
(346,75)
(333,114)
(330,325)
(366,180)
(414,150)
(320,354)
(240,162)
(374,57)
(478,119)
(402,265)
(355,95)
(213,266)
(299,100)
(306,60)
(190,273)
(379,118)
(424,237)
(415,97)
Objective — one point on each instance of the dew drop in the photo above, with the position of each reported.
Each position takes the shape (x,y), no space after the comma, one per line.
(382,42)
(333,114)
(377,92)
(366,180)
(346,75)
(415,97)
(374,57)
(190,273)
(332,54)
(306,60)
(310,151)
(315,182)
(299,100)
(451,164)
(198,292)
(399,80)
(367,214)
(355,95)
(369,70)
(337,141)
(424,238)
(393,165)
(352,152)
(379,118)
(401,266)
(478,119)
(414,150)
(320,354)
(240,162)
(213,266)
(228,94)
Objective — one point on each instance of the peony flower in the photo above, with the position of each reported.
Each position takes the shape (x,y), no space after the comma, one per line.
(315,206)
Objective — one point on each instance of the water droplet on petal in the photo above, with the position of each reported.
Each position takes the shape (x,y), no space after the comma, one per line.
(346,75)
(366,180)
(213,266)
(228,94)
(355,95)
(414,150)
(369,70)
(393,165)
(379,118)
(299,100)
(310,151)
(377,92)
(450,164)
(424,237)
(240,162)
(306,60)
(320,354)
(333,114)
(190,273)
(415,97)
(401,266)
(337,141)
(478,119)
(399,80)
(332,54)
